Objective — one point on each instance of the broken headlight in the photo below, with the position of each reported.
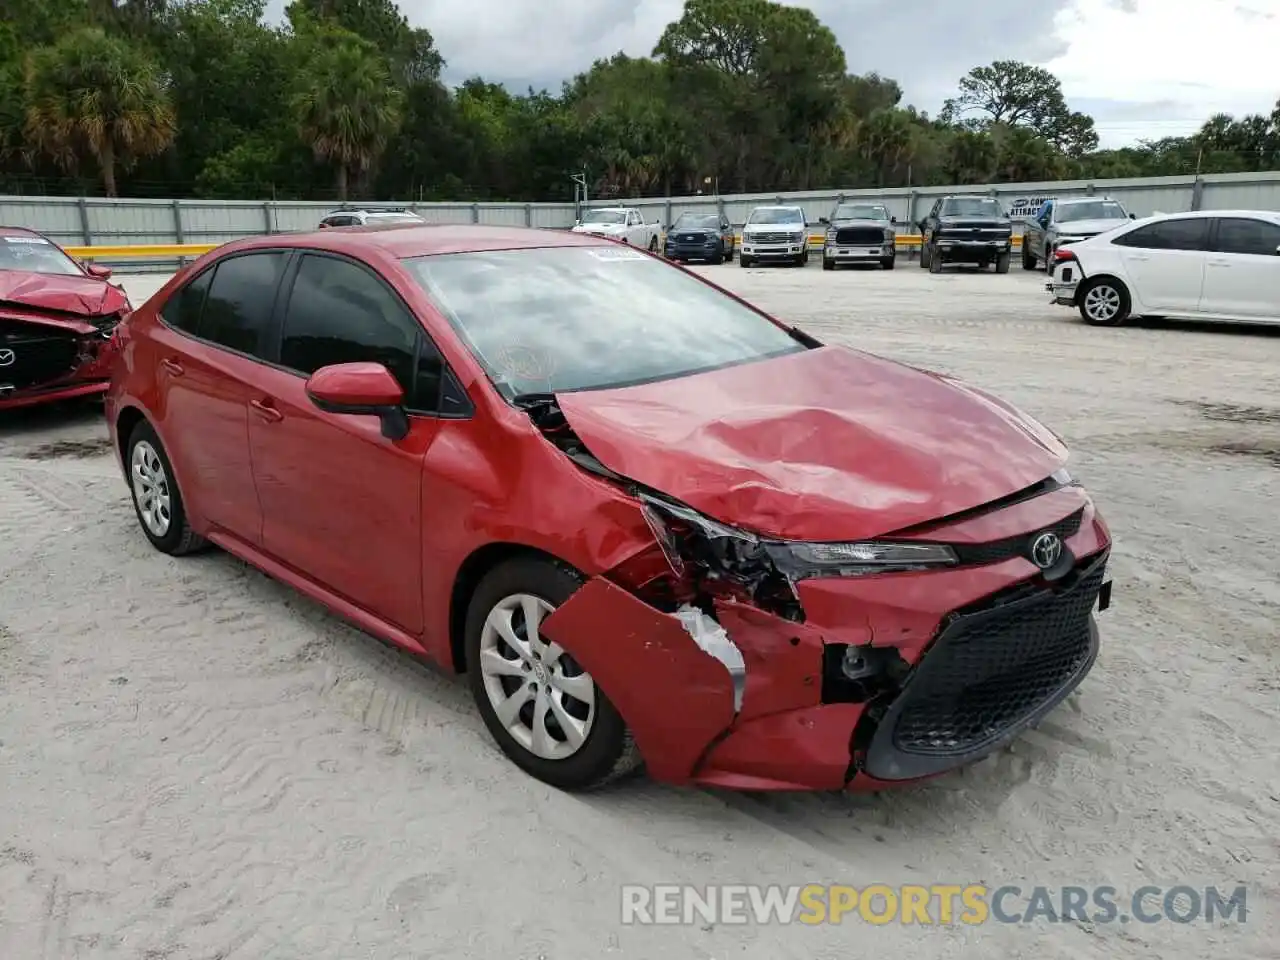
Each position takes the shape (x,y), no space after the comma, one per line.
(687,537)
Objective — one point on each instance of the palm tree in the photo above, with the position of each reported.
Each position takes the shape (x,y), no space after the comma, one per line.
(346,106)
(94,96)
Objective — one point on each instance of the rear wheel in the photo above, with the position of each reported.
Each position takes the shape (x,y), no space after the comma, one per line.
(156,498)
(546,713)
(1104,302)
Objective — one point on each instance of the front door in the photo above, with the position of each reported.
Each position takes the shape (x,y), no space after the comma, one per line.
(1242,275)
(340,502)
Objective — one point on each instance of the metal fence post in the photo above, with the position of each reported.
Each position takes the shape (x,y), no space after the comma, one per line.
(179,235)
(475,213)
(84,221)
(528,214)
(1197,194)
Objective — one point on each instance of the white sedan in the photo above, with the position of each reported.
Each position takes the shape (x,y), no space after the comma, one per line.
(1208,265)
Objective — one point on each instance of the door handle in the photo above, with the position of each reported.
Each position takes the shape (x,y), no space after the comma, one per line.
(1219,263)
(1139,256)
(265,411)
(173,366)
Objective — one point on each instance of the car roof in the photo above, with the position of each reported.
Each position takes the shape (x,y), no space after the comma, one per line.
(607,209)
(406,239)
(1272,215)
(21,232)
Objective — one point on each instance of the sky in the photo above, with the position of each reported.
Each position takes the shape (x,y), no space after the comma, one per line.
(1143,69)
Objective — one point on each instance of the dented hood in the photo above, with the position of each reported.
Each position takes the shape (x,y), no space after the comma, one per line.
(827,444)
(87,296)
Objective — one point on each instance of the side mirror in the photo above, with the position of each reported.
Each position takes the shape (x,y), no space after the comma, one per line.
(1133,216)
(893,219)
(823,220)
(361,389)
(98,270)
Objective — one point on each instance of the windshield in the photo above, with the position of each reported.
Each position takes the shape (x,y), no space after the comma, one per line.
(581,318)
(1091,210)
(35,255)
(604,216)
(860,211)
(697,221)
(776,215)
(972,207)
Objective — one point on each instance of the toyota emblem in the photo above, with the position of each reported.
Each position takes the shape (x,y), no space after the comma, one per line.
(7,357)
(1046,550)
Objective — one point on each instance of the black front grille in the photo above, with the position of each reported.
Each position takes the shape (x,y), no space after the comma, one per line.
(1019,546)
(860,236)
(993,670)
(36,358)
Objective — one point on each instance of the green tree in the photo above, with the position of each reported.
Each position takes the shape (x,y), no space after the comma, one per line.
(345,105)
(1020,95)
(92,96)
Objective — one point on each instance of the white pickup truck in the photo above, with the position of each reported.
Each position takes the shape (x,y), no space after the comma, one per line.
(620,223)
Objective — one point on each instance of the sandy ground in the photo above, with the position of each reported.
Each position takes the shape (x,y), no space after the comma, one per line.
(197,763)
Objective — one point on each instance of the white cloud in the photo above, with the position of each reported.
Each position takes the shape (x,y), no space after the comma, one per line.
(1187,59)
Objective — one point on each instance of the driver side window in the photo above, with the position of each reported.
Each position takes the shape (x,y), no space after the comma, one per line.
(339,312)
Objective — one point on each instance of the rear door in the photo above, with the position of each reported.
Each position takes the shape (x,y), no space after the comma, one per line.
(341,502)
(1165,263)
(1242,273)
(206,352)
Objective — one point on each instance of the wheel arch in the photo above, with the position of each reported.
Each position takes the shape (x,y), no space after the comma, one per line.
(1088,281)
(126,421)
(470,573)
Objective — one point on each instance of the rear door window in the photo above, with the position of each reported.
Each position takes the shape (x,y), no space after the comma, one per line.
(1191,233)
(183,309)
(237,312)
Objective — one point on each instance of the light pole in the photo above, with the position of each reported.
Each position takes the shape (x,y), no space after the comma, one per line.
(579,190)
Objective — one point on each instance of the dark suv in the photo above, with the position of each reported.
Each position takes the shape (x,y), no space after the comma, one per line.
(966,229)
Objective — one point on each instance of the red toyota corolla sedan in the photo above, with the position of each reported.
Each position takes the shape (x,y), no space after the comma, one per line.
(56,320)
(651,524)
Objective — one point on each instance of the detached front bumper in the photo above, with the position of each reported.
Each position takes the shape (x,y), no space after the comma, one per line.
(890,678)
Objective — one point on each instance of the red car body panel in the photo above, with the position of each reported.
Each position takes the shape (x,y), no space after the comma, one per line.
(828,444)
(817,445)
(63,304)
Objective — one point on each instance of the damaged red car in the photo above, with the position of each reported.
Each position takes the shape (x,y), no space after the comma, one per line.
(56,321)
(654,526)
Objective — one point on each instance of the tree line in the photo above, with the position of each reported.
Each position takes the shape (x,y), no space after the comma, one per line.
(202,98)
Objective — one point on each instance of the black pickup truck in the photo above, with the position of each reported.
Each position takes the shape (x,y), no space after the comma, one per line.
(966,229)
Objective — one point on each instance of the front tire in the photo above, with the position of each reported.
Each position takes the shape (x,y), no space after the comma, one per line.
(1104,302)
(546,713)
(744,261)
(157,501)
(924,256)
(653,244)
(935,262)
(828,263)
(888,262)
(1002,262)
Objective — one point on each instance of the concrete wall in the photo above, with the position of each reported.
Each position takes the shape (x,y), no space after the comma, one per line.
(78,221)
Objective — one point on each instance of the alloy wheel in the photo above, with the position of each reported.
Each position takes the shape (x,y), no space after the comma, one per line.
(150,485)
(541,696)
(1102,302)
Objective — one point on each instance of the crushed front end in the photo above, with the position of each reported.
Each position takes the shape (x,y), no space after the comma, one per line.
(746,662)
(53,355)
